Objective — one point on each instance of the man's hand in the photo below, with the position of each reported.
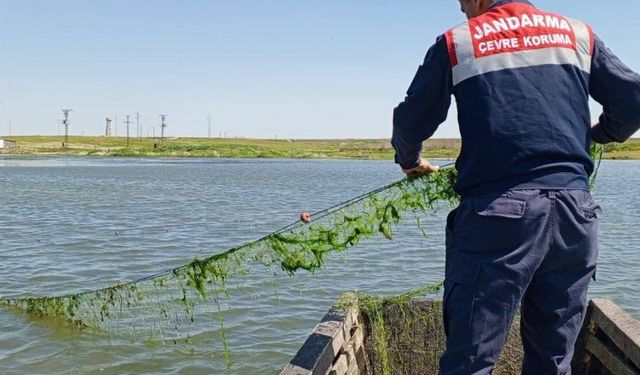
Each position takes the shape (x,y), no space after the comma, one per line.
(423,168)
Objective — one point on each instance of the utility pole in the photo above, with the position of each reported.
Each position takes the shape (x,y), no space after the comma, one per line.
(65,121)
(163,125)
(209,125)
(9,128)
(108,132)
(115,126)
(128,123)
(138,129)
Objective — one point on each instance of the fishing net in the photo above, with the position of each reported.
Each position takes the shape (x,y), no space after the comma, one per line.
(168,305)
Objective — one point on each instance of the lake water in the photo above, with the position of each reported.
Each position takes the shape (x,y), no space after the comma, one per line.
(70,224)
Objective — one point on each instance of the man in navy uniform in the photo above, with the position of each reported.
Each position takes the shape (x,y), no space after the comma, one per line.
(525,232)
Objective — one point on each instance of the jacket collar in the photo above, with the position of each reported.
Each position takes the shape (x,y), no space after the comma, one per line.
(504,2)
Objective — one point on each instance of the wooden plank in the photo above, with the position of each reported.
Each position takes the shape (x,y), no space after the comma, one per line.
(608,359)
(353,369)
(317,354)
(295,370)
(350,353)
(340,367)
(340,341)
(324,345)
(619,326)
(357,340)
(350,320)
(347,361)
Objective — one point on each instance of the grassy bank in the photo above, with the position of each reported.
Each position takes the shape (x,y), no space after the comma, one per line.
(627,150)
(375,149)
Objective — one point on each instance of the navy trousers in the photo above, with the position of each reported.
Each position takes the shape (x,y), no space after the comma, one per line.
(536,249)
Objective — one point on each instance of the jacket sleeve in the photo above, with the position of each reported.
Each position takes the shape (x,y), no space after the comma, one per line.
(617,88)
(425,106)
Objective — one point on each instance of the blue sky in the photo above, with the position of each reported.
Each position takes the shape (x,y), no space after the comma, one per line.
(268,68)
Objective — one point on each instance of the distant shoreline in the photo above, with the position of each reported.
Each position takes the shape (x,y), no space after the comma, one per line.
(365,149)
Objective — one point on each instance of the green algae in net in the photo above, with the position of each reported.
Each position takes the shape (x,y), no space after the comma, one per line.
(165,305)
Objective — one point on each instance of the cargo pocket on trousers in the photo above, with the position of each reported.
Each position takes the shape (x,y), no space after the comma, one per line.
(505,207)
(459,294)
(494,225)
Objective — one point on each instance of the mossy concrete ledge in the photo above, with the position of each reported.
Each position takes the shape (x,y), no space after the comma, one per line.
(407,337)
(336,345)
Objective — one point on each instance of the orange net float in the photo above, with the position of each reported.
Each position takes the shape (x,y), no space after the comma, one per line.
(305,217)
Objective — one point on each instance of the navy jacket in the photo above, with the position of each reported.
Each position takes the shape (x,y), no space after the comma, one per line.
(522,104)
